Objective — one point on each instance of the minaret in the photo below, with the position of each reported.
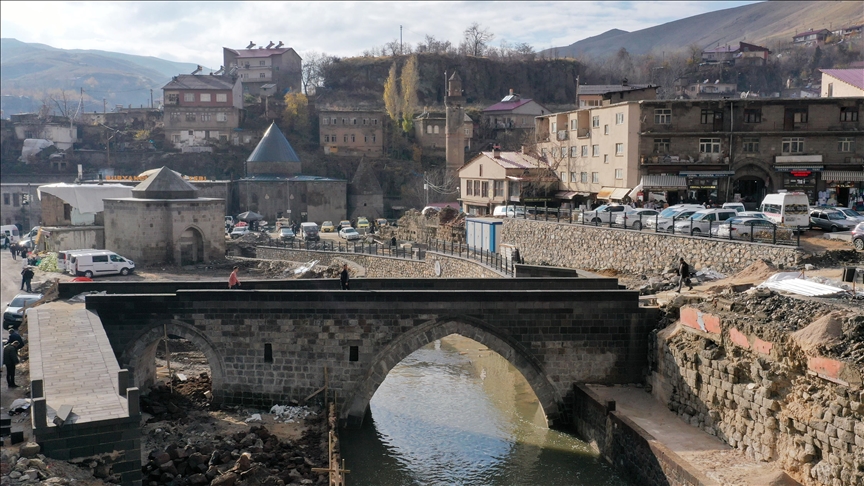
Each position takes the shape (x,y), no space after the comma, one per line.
(454,128)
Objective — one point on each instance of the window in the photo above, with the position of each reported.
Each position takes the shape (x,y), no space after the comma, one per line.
(706,117)
(175,116)
(334,121)
(605,129)
(262,75)
(662,116)
(191,133)
(793,145)
(429,129)
(661,145)
(830,90)
(605,158)
(173,98)
(595,151)
(595,122)
(619,149)
(436,129)
(619,174)
(563,152)
(175,138)
(345,138)
(16,199)
(205,117)
(484,189)
(750,146)
(800,116)
(709,145)
(326,138)
(562,176)
(221,97)
(583,177)
(7,199)
(543,152)
(205,97)
(325,121)
(344,121)
(366,138)
(476,188)
(221,117)
(373,138)
(846,144)
(260,63)
(467,132)
(848,114)
(554,127)
(353,121)
(498,189)
(374,121)
(574,177)
(574,151)
(190,116)
(619,118)
(189,97)
(365,121)
(352,137)
(752,115)
(595,177)
(468,188)
(572,124)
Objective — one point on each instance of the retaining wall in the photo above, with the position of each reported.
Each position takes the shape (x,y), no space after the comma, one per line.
(764,396)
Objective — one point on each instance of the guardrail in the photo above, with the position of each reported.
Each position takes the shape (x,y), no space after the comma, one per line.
(492,260)
(351,247)
(771,234)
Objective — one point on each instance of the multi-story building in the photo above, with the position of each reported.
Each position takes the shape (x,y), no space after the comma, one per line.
(840,83)
(273,64)
(811,37)
(200,108)
(513,113)
(731,149)
(704,90)
(497,178)
(351,132)
(742,54)
(591,95)
(593,151)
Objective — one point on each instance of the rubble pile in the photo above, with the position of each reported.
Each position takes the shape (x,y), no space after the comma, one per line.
(245,458)
(668,280)
(834,258)
(246,245)
(173,403)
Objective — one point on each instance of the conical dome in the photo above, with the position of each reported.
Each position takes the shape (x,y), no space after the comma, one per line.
(165,184)
(273,147)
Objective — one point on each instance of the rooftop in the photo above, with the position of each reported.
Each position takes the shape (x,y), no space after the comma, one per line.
(854,77)
(508,105)
(200,81)
(251,53)
(273,147)
(601,89)
(165,184)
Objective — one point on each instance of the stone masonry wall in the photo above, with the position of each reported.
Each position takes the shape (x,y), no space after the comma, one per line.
(764,396)
(596,248)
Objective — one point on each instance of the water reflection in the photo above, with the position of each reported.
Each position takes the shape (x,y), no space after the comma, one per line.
(456,413)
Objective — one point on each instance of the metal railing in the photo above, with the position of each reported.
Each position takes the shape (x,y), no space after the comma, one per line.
(376,248)
(493,260)
(772,234)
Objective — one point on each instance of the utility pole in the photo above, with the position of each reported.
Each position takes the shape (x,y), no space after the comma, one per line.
(151,98)
(426,187)
(400,40)
(104,105)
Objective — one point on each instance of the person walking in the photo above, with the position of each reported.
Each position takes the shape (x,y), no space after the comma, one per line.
(517,258)
(10,359)
(343,277)
(683,275)
(233,281)
(26,276)
(13,250)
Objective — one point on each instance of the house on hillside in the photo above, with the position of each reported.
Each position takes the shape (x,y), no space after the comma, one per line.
(840,83)
(848,32)
(589,95)
(351,132)
(273,64)
(512,113)
(430,133)
(811,37)
(742,54)
(200,108)
(701,90)
(57,129)
(497,178)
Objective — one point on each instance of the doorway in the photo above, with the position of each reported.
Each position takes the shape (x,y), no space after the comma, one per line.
(191,247)
(751,189)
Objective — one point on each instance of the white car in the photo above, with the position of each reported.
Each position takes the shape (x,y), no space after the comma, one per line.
(701,223)
(13,316)
(851,214)
(635,218)
(752,214)
(603,214)
(349,234)
(239,231)
(743,228)
(663,221)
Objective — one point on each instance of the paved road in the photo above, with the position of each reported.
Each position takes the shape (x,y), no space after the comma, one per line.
(10,282)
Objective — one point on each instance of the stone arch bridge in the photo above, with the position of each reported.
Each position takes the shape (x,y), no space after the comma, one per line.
(271,342)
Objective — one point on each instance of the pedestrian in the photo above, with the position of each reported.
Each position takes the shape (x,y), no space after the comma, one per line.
(393,242)
(233,281)
(683,275)
(10,359)
(26,277)
(517,258)
(13,250)
(5,241)
(343,277)
(14,336)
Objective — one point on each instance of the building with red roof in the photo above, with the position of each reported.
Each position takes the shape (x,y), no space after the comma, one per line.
(256,67)
(512,113)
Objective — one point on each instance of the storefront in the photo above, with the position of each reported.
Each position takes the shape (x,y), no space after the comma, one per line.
(663,188)
(799,173)
(843,188)
(702,186)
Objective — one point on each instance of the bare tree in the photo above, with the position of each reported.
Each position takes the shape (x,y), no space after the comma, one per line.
(477,39)
(314,64)
(434,46)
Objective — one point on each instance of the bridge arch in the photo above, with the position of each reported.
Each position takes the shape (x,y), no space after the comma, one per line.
(355,406)
(139,356)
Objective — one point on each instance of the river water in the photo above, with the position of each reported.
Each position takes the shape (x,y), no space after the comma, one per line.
(455,413)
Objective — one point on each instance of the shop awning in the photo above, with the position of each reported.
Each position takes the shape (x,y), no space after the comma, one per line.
(605,193)
(796,168)
(843,175)
(664,182)
(619,193)
(707,173)
(635,192)
(565,194)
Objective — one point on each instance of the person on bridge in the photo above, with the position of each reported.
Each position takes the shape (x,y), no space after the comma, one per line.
(10,359)
(343,277)
(683,275)
(233,281)
(26,277)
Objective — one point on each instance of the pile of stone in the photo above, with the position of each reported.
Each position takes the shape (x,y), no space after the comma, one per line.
(21,469)
(172,403)
(668,280)
(253,457)
(834,258)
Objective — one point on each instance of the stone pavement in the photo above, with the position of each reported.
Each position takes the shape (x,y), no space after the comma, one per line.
(70,352)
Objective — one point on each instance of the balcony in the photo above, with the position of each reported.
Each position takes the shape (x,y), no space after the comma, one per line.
(563,135)
(583,133)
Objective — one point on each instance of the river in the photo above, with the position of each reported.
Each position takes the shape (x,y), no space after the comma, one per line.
(455,413)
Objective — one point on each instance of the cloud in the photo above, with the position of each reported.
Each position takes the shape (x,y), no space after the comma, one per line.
(196,31)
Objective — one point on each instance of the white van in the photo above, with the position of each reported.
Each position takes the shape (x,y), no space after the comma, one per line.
(737,206)
(791,209)
(11,232)
(509,211)
(101,262)
(64,259)
(309,231)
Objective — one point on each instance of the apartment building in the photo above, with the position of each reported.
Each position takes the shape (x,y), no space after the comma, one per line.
(714,150)
(200,108)
(351,132)
(271,64)
(593,151)
(497,178)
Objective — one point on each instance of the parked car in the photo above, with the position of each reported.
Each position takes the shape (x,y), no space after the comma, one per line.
(380,222)
(286,234)
(635,218)
(239,231)
(309,231)
(344,224)
(852,214)
(741,228)
(752,214)
(362,223)
(663,221)
(13,316)
(701,222)
(349,234)
(830,220)
(603,214)
(509,211)
(327,227)
(229,220)
(737,206)
(858,237)
(28,239)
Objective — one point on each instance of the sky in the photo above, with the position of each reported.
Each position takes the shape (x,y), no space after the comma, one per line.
(196,32)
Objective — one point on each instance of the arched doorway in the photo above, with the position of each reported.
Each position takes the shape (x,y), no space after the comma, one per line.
(356,406)
(191,247)
(752,182)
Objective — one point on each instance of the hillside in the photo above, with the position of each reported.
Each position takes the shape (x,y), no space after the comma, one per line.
(29,69)
(760,23)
